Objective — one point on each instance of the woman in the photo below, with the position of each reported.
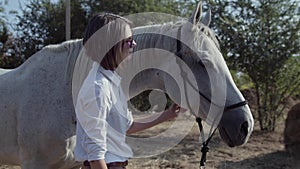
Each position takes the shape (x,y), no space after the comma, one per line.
(101,108)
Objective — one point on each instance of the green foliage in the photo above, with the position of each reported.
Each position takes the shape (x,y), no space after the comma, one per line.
(8,57)
(289,78)
(260,38)
(43,23)
(3,29)
(126,7)
(242,80)
(142,103)
(3,35)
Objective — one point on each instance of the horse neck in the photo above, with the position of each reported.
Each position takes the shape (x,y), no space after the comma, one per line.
(156,36)
(151,41)
(146,80)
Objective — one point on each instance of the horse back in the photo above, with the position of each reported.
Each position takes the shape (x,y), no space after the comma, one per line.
(36,107)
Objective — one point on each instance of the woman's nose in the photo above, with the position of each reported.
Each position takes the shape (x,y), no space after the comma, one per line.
(133,43)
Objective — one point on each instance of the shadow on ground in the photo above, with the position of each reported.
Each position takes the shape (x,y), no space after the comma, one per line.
(274,160)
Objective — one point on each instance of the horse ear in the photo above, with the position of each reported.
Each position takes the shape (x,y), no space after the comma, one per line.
(195,18)
(206,20)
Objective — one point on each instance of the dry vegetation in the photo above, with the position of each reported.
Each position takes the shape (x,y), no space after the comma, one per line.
(263,151)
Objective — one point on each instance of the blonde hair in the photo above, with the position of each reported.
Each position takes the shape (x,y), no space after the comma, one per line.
(104,39)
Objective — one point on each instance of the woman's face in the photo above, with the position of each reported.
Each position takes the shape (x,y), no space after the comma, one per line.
(129,42)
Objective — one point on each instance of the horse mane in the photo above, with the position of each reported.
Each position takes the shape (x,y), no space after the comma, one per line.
(57,48)
(159,28)
(165,27)
(153,36)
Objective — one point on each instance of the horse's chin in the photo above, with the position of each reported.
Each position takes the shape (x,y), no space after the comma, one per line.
(230,142)
(225,137)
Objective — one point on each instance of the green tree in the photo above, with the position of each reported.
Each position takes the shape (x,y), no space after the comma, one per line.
(261,38)
(3,31)
(8,46)
(125,7)
(43,23)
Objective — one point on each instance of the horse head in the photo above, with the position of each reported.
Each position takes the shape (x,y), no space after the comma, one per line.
(184,60)
(219,98)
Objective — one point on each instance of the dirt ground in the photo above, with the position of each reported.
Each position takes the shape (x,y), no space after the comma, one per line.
(263,151)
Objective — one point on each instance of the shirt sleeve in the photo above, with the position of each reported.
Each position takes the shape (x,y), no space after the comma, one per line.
(95,107)
(130,119)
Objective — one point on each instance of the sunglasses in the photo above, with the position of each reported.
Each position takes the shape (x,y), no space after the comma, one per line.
(129,42)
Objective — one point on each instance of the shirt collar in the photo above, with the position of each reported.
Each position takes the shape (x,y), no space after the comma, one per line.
(110,75)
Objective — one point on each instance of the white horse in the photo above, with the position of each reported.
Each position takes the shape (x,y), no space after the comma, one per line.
(37,118)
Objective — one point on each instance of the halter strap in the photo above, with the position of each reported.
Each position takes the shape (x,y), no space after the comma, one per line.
(178,43)
(240,104)
(204,148)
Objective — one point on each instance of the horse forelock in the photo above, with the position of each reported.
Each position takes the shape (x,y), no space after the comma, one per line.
(205,30)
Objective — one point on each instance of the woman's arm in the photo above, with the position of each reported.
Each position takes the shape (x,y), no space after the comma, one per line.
(145,123)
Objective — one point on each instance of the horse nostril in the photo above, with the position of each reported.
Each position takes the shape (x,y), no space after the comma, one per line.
(244,128)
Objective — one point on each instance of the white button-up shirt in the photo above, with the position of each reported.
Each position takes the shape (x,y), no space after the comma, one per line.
(102,118)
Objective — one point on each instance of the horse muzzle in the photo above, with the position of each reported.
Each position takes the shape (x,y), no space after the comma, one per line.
(236,126)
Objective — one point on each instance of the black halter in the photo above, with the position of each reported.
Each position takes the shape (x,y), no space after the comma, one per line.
(205,147)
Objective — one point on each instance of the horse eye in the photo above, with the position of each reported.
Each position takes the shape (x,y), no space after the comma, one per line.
(201,63)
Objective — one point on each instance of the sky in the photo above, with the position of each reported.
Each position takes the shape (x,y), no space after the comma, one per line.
(12,5)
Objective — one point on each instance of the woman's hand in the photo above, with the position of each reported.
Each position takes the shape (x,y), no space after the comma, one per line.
(147,122)
(174,110)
